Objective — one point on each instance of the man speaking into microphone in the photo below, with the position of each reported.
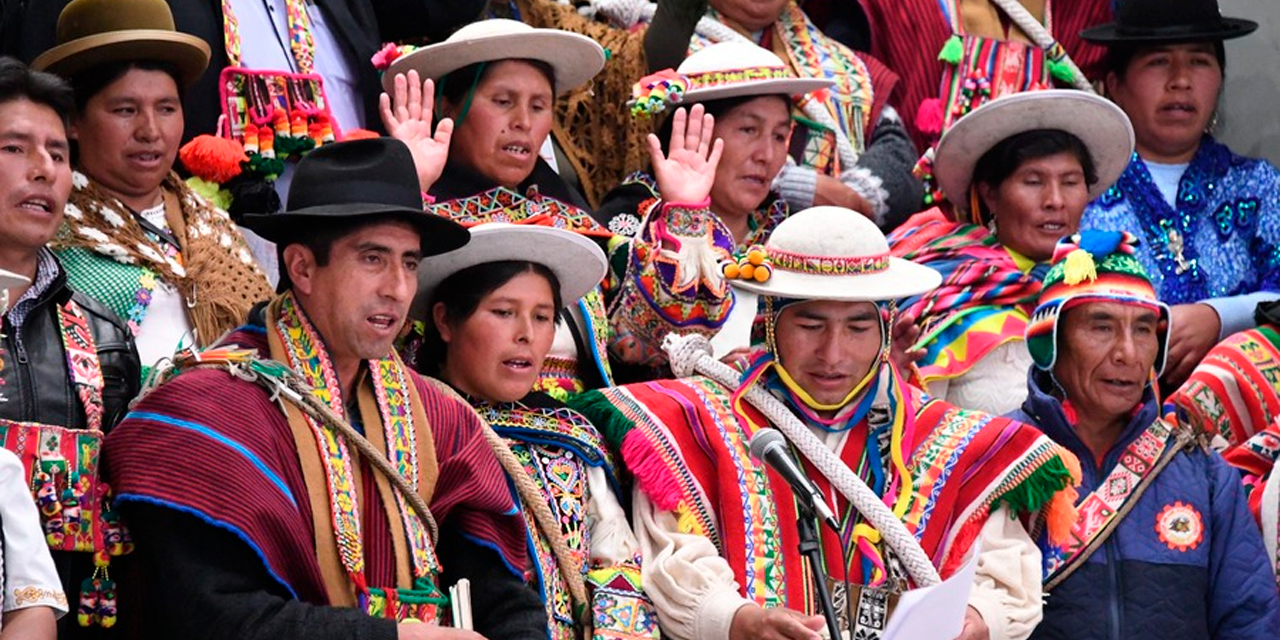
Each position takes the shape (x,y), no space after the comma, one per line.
(719,529)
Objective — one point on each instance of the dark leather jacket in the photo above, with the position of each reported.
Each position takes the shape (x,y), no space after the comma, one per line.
(35,383)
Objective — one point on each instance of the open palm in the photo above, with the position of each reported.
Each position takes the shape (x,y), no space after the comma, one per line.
(688,169)
(407,117)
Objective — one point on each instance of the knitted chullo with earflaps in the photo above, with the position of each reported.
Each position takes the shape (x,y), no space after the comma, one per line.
(1091,266)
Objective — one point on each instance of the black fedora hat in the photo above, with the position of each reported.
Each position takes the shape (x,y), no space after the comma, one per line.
(1168,21)
(345,180)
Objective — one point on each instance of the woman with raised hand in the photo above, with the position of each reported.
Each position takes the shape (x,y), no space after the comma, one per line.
(496,80)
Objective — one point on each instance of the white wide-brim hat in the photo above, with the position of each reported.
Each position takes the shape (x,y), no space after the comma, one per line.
(577,261)
(833,253)
(1102,126)
(574,58)
(735,69)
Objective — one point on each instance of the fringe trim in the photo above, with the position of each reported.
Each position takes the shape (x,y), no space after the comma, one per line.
(1040,487)
(651,472)
(608,420)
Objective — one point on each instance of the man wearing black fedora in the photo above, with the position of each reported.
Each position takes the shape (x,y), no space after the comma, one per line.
(1208,219)
(298,480)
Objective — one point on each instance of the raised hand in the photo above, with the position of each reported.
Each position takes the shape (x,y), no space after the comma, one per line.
(407,117)
(688,169)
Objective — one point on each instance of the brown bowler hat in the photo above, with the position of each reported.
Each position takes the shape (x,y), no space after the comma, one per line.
(94,32)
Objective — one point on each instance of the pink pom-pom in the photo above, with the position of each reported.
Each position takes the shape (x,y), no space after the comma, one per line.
(929,117)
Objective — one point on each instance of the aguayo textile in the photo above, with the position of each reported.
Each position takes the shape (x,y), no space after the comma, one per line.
(328,527)
(1221,239)
(569,462)
(689,453)
(1235,392)
(984,301)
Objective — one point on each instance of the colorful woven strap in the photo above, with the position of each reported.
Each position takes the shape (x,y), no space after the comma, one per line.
(300,39)
(1102,510)
(301,42)
(82,361)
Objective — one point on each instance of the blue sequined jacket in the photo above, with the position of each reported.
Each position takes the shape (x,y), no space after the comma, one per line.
(1222,243)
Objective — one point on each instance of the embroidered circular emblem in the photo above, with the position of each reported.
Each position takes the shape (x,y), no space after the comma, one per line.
(625,224)
(1180,527)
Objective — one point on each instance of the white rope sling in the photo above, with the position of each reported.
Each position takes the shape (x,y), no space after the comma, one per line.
(688,354)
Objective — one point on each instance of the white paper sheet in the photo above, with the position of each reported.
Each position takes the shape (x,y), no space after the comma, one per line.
(937,612)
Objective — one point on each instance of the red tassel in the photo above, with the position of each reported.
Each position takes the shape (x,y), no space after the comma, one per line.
(929,117)
(213,159)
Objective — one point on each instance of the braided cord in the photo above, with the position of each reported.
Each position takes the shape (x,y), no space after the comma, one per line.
(692,354)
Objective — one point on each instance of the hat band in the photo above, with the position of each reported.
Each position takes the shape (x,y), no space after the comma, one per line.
(710,79)
(828,265)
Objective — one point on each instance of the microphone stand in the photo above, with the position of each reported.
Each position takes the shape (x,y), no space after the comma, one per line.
(811,547)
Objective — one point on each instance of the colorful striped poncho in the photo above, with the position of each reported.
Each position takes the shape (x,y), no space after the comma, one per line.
(983,302)
(214,446)
(689,454)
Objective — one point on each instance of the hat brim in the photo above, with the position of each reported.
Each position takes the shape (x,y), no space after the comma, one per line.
(1102,126)
(439,235)
(578,262)
(1228,29)
(793,87)
(574,58)
(903,278)
(186,52)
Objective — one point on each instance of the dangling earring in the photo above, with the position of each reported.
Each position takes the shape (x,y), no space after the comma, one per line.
(1212,128)
(992,226)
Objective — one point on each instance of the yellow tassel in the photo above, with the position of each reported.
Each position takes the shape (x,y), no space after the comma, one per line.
(1079,266)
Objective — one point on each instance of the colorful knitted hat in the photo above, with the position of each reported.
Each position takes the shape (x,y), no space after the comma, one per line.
(1092,266)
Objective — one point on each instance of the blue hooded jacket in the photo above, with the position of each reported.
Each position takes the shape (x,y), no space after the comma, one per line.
(1137,586)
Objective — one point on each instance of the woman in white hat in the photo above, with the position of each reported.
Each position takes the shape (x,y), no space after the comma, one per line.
(1020,170)
(136,237)
(750,92)
(493,312)
(497,80)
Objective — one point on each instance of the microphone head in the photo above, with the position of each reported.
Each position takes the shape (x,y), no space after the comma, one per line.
(764,440)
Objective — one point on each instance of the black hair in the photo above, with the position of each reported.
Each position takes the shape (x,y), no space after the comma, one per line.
(92,81)
(19,82)
(455,85)
(318,236)
(716,108)
(1001,161)
(1119,55)
(461,294)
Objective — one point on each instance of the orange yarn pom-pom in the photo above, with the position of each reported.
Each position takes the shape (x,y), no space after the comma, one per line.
(212,158)
(762,273)
(731,270)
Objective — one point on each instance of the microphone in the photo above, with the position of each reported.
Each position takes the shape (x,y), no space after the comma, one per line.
(770,447)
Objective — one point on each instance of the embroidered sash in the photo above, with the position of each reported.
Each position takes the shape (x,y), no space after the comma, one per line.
(1102,510)
(338,521)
